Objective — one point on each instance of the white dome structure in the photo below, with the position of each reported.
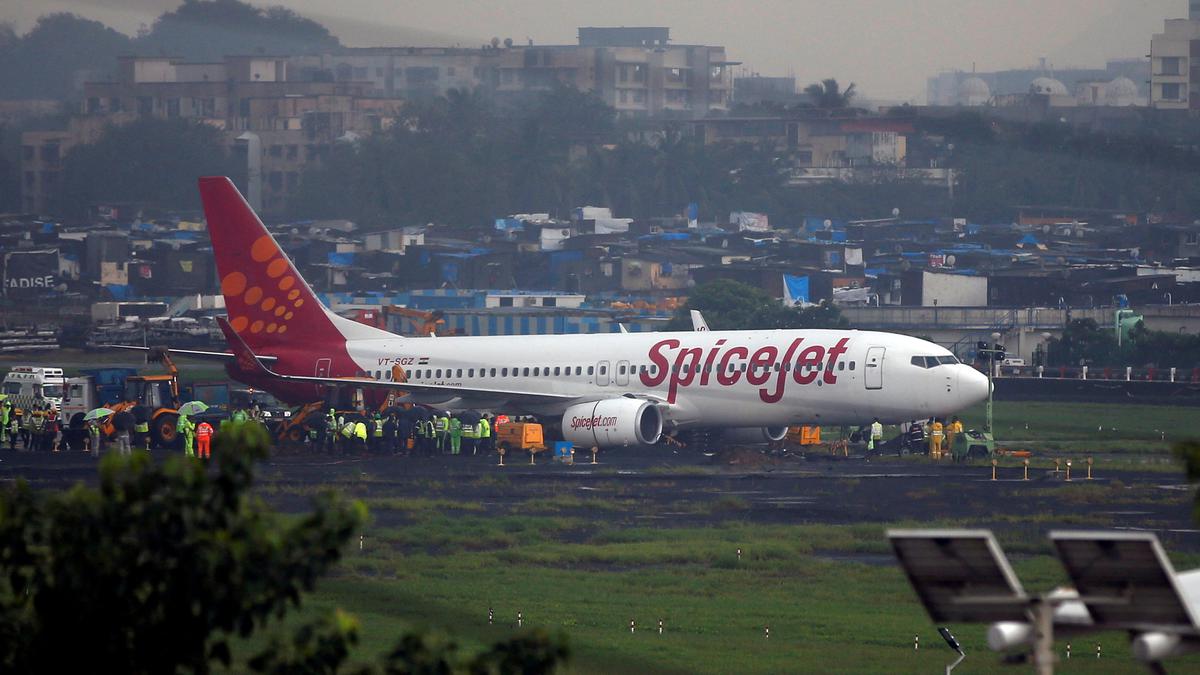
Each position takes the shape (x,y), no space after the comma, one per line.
(974,91)
(1048,86)
(1121,92)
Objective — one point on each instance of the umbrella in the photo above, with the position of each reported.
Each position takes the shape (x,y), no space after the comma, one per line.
(96,414)
(193,408)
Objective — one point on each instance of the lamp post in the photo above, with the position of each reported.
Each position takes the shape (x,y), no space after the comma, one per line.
(991,371)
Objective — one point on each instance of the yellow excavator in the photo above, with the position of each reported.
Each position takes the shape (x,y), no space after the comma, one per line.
(154,398)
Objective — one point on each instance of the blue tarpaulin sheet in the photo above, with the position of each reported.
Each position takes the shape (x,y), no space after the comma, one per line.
(340,259)
(795,289)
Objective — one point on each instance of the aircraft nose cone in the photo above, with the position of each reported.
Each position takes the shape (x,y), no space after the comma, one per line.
(972,386)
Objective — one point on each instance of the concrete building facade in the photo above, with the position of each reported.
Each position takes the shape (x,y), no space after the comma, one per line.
(1175,63)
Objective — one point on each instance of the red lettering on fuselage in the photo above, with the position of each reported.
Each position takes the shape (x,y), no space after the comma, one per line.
(801,366)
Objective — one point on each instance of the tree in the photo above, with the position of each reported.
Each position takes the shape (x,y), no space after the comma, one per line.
(157,569)
(1189,452)
(150,161)
(1082,342)
(732,305)
(207,30)
(828,94)
(44,62)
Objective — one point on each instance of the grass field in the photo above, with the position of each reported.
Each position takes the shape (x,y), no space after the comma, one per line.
(586,562)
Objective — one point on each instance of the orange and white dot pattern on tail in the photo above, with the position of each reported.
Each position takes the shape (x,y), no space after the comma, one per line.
(265,307)
(267,300)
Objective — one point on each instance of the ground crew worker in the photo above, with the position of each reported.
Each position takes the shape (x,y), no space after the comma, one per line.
(876,435)
(377,434)
(441,427)
(204,432)
(360,435)
(37,429)
(14,421)
(470,434)
(485,435)
(331,430)
(456,432)
(94,437)
(952,431)
(391,435)
(425,436)
(141,431)
(27,429)
(347,434)
(239,415)
(936,433)
(188,429)
(5,414)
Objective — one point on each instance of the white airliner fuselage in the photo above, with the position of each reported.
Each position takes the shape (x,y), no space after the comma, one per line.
(609,389)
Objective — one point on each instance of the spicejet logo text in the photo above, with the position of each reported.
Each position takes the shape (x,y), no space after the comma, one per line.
(593,422)
(689,366)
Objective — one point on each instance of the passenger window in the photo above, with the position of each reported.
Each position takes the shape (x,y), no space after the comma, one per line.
(591,370)
(493,372)
(841,365)
(439,373)
(526,371)
(471,372)
(504,372)
(851,365)
(556,370)
(459,373)
(537,371)
(578,370)
(603,370)
(620,370)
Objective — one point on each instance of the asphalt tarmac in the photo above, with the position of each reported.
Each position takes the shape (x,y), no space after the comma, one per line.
(742,484)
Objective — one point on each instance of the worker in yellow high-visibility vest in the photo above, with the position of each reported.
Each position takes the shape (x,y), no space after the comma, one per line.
(936,434)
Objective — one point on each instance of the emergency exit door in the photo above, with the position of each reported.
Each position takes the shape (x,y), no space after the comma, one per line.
(323,367)
(873,368)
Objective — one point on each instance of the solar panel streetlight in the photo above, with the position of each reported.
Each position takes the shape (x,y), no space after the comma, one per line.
(953,643)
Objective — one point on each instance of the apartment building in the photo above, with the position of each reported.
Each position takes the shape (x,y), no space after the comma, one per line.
(1175,63)
(296,121)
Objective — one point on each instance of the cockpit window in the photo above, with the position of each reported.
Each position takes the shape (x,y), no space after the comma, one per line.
(933,361)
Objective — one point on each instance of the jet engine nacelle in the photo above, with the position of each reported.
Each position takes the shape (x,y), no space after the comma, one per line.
(612,422)
(754,435)
(1156,646)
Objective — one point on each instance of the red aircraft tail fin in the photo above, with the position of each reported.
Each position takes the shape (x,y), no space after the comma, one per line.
(267,300)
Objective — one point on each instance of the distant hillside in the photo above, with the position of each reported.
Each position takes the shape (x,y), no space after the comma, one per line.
(62,49)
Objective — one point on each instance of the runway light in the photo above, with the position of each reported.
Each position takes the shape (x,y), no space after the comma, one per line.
(491,616)
(520,620)
(631,626)
(660,626)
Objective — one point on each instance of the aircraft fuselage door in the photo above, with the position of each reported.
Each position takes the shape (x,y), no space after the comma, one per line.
(622,374)
(873,368)
(323,367)
(602,373)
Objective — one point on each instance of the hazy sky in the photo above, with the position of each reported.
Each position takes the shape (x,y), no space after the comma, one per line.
(888,47)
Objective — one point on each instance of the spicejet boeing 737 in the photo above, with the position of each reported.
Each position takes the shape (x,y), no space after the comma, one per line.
(604,390)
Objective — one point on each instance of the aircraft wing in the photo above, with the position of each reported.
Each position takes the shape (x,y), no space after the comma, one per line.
(250,362)
(193,353)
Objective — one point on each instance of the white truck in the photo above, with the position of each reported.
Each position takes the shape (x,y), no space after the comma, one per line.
(29,386)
